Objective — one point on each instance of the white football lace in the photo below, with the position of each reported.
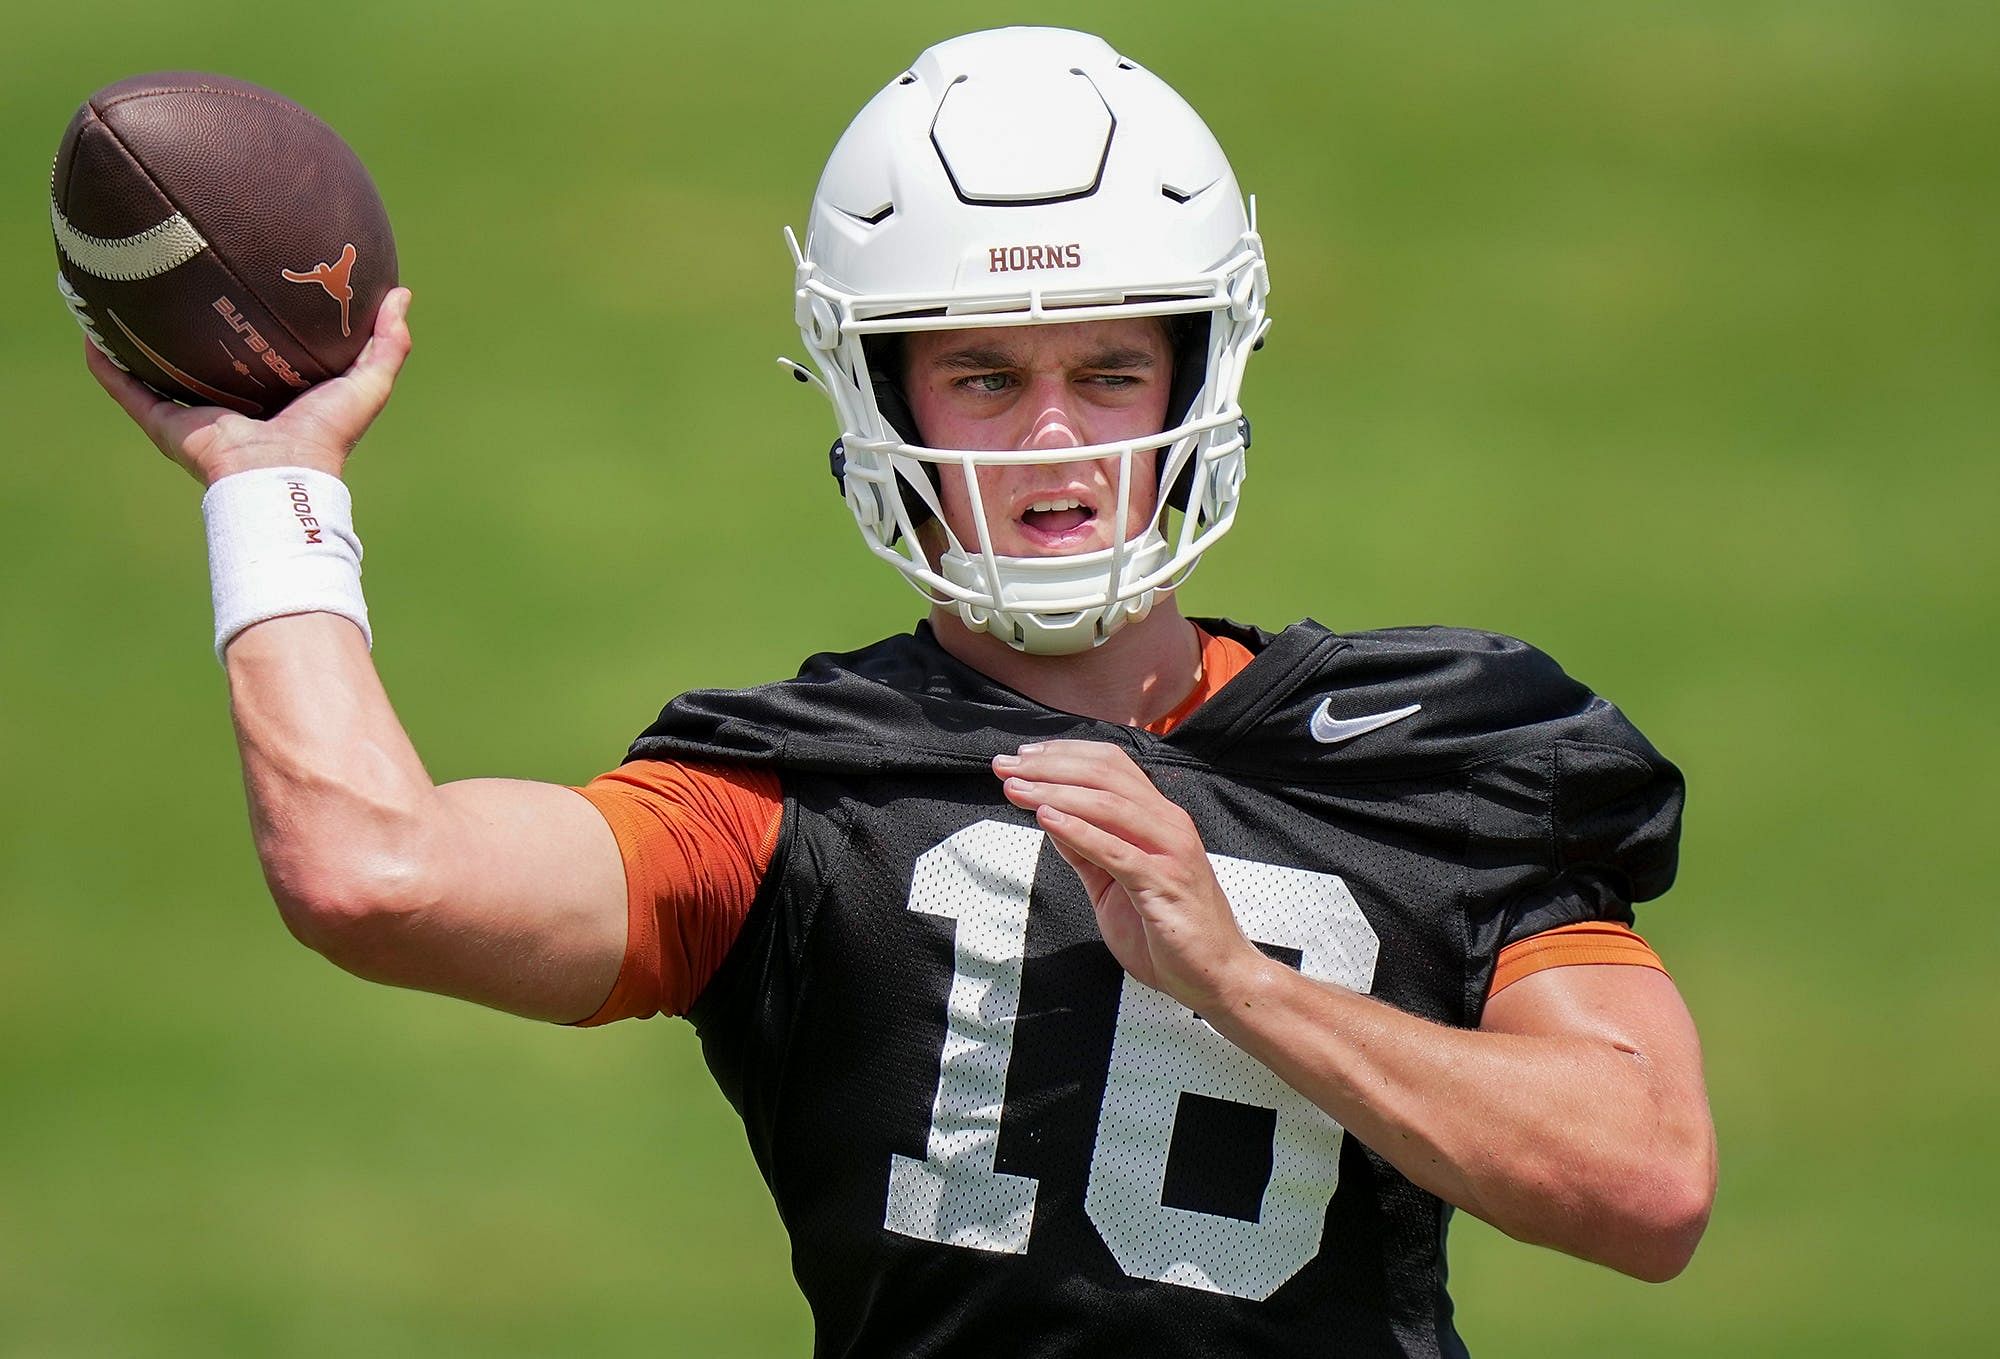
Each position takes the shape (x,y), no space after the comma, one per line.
(80,309)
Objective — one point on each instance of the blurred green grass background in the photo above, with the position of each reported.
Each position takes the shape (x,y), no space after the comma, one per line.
(1663,335)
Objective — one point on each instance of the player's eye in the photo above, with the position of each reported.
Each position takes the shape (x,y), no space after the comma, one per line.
(983,382)
(1121,384)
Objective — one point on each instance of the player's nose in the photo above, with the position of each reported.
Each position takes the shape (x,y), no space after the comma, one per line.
(1054,427)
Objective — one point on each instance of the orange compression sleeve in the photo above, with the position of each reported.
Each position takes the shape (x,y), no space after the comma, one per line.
(1592,941)
(696,840)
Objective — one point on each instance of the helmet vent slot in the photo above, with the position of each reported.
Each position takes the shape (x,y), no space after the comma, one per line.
(1176,194)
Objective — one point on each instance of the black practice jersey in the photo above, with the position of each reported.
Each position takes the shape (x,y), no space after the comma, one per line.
(984,1138)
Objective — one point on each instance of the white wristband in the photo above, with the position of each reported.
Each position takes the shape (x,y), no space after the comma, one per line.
(281,541)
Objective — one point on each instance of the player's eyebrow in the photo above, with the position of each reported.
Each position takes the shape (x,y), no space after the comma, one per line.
(976,357)
(1124,356)
(986,358)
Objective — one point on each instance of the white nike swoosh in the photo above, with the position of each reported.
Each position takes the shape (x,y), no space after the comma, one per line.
(1331,730)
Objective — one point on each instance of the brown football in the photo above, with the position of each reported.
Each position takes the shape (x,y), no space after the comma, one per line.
(216,240)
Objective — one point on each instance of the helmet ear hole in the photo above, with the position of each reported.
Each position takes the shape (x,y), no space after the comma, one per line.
(1188,338)
(885,369)
(919,511)
(885,372)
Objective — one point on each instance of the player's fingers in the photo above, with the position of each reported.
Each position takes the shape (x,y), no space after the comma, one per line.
(1137,825)
(167,423)
(1150,818)
(1076,838)
(1096,882)
(134,397)
(1089,751)
(334,415)
(1098,764)
(374,372)
(389,345)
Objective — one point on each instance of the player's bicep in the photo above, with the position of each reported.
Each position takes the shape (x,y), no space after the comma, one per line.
(525,900)
(1637,1014)
(1637,1010)
(1608,1000)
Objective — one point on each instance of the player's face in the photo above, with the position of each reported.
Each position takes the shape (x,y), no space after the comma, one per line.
(1054,387)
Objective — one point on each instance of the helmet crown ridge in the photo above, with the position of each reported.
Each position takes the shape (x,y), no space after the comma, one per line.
(994,139)
(1030,137)
(1029,176)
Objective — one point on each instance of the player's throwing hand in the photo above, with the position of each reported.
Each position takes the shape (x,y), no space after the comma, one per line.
(318,430)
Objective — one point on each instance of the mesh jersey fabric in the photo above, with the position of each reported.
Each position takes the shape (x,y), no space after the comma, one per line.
(983,1138)
(696,840)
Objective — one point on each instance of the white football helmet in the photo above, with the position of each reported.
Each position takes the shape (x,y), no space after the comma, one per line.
(1030,176)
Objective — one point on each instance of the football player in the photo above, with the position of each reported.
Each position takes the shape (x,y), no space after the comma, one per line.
(1090,979)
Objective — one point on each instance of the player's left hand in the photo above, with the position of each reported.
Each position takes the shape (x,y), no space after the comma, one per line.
(1142,864)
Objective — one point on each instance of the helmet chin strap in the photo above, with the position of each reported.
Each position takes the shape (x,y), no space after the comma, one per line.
(1029,585)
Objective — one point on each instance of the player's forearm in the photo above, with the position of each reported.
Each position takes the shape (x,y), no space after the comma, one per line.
(1564,1141)
(506,893)
(338,797)
(510,894)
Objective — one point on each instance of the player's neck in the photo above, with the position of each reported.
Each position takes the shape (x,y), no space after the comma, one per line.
(1139,676)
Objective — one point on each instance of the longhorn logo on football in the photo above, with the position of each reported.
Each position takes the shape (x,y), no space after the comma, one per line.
(332,277)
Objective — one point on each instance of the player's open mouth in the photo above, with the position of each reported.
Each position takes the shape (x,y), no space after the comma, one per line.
(1058,522)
